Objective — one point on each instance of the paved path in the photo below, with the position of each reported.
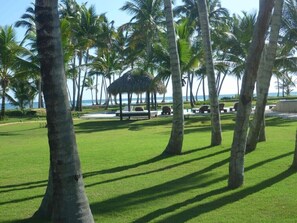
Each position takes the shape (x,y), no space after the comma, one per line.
(268,113)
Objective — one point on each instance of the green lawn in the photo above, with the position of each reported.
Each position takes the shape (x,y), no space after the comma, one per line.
(127,181)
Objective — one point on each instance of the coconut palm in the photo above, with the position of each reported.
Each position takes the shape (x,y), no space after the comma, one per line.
(10,53)
(264,77)
(236,165)
(175,143)
(68,202)
(147,21)
(216,136)
(238,41)
(85,31)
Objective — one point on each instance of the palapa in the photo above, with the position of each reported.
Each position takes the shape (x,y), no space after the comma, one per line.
(136,81)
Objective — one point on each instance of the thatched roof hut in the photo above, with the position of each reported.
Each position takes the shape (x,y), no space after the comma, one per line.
(136,81)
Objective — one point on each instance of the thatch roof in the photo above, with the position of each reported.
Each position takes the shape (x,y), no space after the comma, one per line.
(136,81)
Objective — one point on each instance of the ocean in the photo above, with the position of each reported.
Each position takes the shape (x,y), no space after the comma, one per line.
(9,106)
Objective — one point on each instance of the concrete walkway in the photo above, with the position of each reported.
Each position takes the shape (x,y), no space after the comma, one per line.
(268,113)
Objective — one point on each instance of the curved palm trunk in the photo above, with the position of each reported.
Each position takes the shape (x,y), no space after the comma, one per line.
(236,165)
(216,133)
(3,99)
(177,132)
(264,77)
(69,201)
(77,107)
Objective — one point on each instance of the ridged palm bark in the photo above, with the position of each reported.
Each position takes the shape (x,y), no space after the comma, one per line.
(216,133)
(70,203)
(236,165)
(175,143)
(264,77)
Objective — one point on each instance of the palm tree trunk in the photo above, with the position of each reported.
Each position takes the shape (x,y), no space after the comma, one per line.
(3,96)
(236,165)
(192,99)
(96,89)
(216,133)
(39,93)
(164,95)
(264,77)
(79,81)
(175,143)
(84,82)
(69,198)
(203,88)
(73,85)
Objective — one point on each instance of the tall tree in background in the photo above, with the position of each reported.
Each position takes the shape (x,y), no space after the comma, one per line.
(70,203)
(216,133)
(177,132)
(236,165)
(264,78)
(143,28)
(10,53)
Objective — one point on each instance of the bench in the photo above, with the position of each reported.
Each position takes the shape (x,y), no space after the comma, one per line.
(235,107)
(166,110)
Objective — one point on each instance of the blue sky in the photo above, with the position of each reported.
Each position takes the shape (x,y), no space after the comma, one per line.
(11,11)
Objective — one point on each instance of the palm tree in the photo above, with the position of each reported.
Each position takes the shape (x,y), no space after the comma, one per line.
(236,165)
(175,143)
(216,136)
(90,86)
(238,41)
(68,202)
(24,93)
(85,30)
(264,77)
(143,28)
(10,53)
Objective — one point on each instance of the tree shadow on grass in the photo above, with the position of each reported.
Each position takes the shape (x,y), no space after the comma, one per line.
(277,121)
(199,179)
(210,206)
(8,134)
(105,125)
(101,125)
(21,200)
(29,220)
(142,163)
(158,170)
(216,204)
(22,186)
(173,187)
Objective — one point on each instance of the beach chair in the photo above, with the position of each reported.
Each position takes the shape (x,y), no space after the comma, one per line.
(221,107)
(166,110)
(235,107)
(204,108)
(138,108)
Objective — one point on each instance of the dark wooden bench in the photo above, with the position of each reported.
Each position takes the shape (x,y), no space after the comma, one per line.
(166,110)
(235,107)
(204,108)
(222,107)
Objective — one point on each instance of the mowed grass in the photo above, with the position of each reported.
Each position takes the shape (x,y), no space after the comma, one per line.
(128,181)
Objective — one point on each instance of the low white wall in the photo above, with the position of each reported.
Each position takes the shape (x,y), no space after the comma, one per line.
(289,106)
